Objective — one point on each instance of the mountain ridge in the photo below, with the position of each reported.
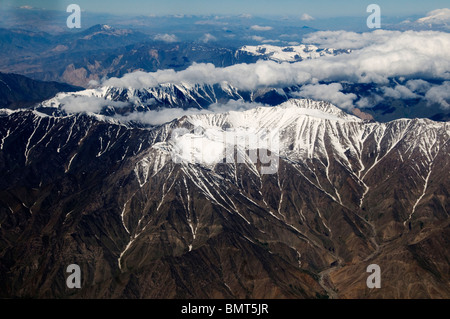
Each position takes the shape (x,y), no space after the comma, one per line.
(18,91)
(110,198)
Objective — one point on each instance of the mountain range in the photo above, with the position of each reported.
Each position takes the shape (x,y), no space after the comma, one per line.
(203,96)
(87,58)
(108,196)
(206,157)
(104,51)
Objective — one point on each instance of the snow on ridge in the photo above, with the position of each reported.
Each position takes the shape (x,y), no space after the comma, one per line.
(96,116)
(6,112)
(323,109)
(274,116)
(291,53)
(55,102)
(439,16)
(262,127)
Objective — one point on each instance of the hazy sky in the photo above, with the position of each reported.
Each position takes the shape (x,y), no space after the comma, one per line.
(316,8)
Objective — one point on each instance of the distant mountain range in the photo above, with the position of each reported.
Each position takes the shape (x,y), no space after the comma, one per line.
(438,19)
(104,51)
(294,53)
(201,96)
(17,91)
(86,57)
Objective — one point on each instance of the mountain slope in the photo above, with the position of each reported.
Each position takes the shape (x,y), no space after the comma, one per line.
(347,193)
(17,91)
(293,53)
(202,96)
(182,95)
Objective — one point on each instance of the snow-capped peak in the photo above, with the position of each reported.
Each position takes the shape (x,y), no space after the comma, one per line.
(208,138)
(439,16)
(106,27)
(280,116)
(319,109)
(288,53)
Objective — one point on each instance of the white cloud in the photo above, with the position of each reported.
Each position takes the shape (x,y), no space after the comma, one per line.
(169,114)
(376,57)
(330,93)
(419,86)
(295,35)
(77,104)
(207,37)
(439,16)
(270,41)
(399,92)
(349,40)
(382,54)
(440,94)
(257,38)
(157,117)
(306,17)
(169,38)
(241,76)
(369,101)
(411,55)
(260,28)
(93,83)
(234,105)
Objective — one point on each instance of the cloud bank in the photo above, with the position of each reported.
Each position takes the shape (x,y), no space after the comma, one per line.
(242,76)
(328,92)
(376,57)
(381,55)
(440,94)
(169,114)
